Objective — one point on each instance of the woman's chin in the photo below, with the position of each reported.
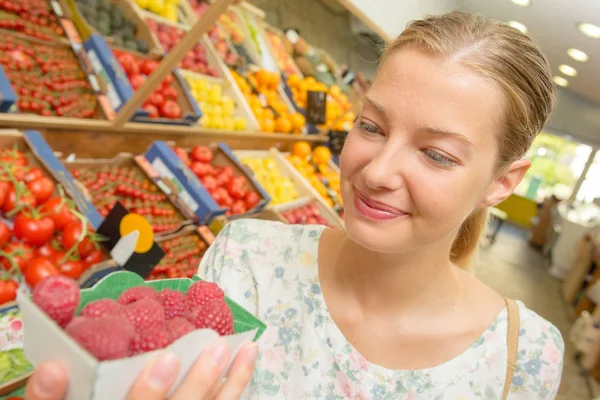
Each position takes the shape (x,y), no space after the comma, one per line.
(378,238)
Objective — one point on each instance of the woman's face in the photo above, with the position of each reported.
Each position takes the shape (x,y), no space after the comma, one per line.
(421,156)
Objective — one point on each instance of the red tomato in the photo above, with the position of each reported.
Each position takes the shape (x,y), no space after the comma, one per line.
(14,157)
(95,257)
(167,82)
(71,268)
(224,175)
(11,198)
(38,269)
(5,233)
(33,174)
(152,110)
(209,182)
(157,100)
(137,81)
(57,210)
(19,253)
(251,199)
(237,187)
(171,110)
(47,251)
(148,67)
(182,154)
(8,290)
(33,231)
(238,207)
(129,64)
(70,238)
(201,154)
(222,198)
(170,93)
(41,188)
(4,189)
(200,169)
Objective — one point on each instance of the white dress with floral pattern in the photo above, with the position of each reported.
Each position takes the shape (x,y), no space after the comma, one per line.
(271,269)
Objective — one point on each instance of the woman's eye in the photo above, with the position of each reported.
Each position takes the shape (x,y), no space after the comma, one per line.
(368,128)
(440,159)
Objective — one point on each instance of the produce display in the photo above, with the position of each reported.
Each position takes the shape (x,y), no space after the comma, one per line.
(195,60)
(228,191)
(48,79)
(232,26)
(314,166)
(182,257)
(338,115)
(34,18)
(305,215)
(261,92)
(282,53)
(217,109)
(41,234)
(109,18)
(140,320)
(163,102)
(132,188)
(281,188)
(224,50)
(167,9)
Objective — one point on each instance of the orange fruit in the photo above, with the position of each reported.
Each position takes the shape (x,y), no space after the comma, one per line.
(301,149)
(267,125)
(268,113)
(321,155)
(283,124)
(298,122)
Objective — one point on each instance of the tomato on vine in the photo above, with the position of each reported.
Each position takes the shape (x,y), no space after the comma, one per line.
(8,290)
(38,269)
(41,188)
(32,228)
(59,211)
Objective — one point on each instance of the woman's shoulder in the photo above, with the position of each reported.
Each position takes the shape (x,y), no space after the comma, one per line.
(249,230)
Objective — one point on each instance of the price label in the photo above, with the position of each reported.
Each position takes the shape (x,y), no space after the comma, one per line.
(316,108)
(57,8)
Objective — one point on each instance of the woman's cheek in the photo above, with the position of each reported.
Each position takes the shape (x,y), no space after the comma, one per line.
(357,154)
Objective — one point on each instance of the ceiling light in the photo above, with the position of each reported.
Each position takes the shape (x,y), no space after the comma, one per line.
(519,26)
(578,55)
(567,70)
(560,81)
(590,30)
(522,3)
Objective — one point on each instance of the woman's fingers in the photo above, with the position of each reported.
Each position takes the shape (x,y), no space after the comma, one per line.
(49,382)
(204,378)
(240,373)
(156,379)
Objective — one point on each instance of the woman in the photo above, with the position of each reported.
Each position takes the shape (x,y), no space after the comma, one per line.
(387,309)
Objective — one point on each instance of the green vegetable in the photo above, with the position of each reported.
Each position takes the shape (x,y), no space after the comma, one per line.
(143,46)
(13,365)
(130,44)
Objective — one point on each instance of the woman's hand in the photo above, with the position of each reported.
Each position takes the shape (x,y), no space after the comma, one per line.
(203,381)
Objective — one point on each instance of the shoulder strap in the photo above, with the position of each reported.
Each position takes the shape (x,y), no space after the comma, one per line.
(513,343)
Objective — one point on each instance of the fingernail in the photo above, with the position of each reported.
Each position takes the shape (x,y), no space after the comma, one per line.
(163,371)
(45,382)
(250,354)
(217,352)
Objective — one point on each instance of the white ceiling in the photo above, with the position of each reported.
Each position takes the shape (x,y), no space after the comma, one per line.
(553,25)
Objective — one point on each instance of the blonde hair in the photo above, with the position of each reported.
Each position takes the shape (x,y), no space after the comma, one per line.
(515,63)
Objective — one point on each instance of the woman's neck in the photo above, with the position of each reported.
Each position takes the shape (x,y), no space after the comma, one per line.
(421,280)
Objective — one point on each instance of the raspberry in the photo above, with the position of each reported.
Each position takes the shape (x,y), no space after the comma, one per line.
(134,294)
(215,315)
(201,293)
(101,308)
(58,296)
(173,303)
(179,327)
(106,338)
(152,338)
(144,313)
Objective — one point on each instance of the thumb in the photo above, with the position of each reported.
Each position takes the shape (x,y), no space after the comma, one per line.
(49,382)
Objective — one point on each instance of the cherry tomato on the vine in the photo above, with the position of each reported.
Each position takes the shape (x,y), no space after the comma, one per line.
(38,269)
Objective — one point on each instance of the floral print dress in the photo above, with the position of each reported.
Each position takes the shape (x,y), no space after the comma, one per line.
(271,269)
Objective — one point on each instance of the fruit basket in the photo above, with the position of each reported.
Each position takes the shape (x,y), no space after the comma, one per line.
(133,182)
(113,308)
(170,103)
(33,18)
(48,78)
(275,173)
(119,22)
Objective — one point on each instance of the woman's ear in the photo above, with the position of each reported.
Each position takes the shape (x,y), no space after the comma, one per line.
(505,184)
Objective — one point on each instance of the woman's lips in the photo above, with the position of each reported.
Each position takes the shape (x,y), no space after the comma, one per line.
(375,210)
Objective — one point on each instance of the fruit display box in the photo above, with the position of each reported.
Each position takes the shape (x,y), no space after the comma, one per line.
(92,379)
(192,191)
(120,22)
(14,368)
(109,180)
(37,19)
(50,78)
(306,193)
(176,12)
(281,50)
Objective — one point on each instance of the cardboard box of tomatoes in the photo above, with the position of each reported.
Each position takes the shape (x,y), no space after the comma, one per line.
(211,180)
(104,349)
(41,223)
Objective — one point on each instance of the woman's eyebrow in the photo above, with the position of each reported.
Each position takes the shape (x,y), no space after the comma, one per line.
(377,105)
(443,132)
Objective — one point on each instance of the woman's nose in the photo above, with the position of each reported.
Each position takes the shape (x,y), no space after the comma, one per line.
(385,171)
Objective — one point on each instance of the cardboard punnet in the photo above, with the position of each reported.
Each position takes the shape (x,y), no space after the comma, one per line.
(100,380)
